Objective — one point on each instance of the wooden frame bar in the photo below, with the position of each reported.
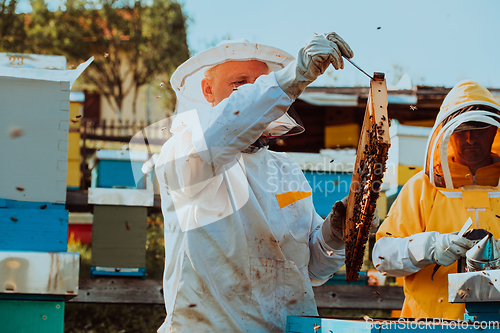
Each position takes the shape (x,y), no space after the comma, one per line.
(136,291)
(367,176)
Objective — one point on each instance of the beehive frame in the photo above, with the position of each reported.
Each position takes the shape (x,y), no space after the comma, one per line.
(369,168)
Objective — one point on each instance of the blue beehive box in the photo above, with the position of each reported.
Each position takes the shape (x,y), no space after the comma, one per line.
(328,187)
(118,169)
(33,226)
(329,174)
(339,278)
(32,316)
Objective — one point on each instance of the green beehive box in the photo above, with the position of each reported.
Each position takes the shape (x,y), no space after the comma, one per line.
(119,236)
(32,316)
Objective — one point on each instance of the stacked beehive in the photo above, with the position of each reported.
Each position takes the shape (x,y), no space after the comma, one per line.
(121,196)
(36,272)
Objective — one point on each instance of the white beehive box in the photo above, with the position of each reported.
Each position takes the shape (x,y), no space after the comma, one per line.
(53,273)
(34,140)
(34,124)
(406,154)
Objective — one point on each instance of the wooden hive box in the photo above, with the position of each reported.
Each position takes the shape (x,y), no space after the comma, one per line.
(33,168)
(36,272)
(119,236)
(34,140)
(329,174)
(118,169)
(33,226)
(119,230)
(406,155)
(32,316)
(74,154)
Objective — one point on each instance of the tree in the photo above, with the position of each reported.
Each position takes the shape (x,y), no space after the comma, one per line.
(132,42)
(12,33)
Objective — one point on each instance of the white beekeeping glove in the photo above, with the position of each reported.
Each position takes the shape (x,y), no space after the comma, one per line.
(313,60)
(434,248)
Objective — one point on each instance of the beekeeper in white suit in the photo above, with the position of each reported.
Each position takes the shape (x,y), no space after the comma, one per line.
(243,241)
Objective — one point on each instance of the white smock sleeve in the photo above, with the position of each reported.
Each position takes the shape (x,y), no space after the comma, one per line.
(392,255)
(239,120)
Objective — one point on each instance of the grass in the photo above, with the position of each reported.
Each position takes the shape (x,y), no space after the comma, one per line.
(113,318)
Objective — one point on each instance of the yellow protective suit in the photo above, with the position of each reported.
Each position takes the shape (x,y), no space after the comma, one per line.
(441,198)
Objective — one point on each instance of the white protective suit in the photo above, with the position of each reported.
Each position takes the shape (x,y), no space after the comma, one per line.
(243,242)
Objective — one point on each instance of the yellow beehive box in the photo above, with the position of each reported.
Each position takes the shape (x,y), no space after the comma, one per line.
(406,172)
(382,205)
(74,146)
(73,180)
(342,135)
(75,110)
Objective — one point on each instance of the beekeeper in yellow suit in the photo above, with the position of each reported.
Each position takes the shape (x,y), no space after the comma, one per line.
(459,181)
(244,244)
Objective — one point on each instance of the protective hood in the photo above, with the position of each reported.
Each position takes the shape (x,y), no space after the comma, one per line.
(466,106)
(186,81)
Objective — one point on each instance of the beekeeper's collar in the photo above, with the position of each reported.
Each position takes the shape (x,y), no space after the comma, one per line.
(186,80)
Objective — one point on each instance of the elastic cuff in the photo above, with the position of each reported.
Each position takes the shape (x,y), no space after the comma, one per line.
(290,81)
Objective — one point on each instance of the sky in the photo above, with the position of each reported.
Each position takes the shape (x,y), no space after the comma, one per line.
(436,42)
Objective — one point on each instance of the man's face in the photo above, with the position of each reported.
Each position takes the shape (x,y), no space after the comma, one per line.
(226,77)
(473,147)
